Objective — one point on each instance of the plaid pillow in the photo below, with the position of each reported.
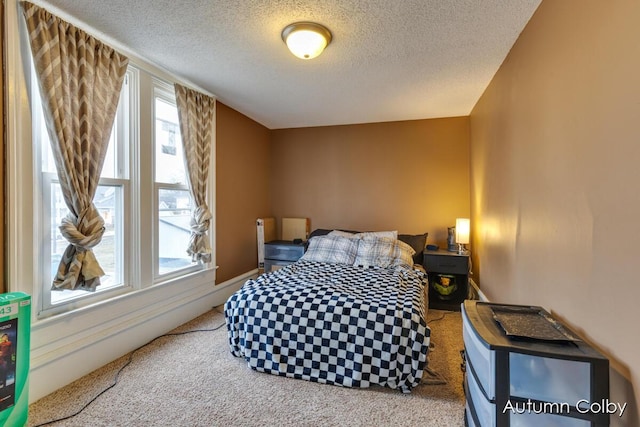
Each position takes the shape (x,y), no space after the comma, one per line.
(331,249)
(384,252)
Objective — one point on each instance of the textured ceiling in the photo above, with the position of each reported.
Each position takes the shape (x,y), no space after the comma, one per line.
(389,59)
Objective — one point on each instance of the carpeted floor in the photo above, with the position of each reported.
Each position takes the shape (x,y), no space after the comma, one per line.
(193,380)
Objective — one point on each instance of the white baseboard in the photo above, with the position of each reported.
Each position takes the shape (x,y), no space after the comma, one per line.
(481,295)
(58,362)
(226,289)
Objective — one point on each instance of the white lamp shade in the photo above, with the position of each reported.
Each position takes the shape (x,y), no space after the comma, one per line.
(306,40)
(306,44)
(463,226)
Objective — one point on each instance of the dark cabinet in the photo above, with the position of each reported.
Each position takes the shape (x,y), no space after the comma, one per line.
(448,278)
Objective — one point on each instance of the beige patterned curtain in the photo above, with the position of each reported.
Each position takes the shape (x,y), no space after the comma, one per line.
(195,113)
(80,80)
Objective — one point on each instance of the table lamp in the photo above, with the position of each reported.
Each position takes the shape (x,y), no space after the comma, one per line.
(462,234)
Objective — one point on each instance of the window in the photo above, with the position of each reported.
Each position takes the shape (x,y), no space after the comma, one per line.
(112,199)
(130,250)
(142,277)
(173,204)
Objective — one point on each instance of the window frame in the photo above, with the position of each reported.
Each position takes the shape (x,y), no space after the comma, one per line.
(146,298)
(124,125)
(136,170)
(165,92)
(48,306)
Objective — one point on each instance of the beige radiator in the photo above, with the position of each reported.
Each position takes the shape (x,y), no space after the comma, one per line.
(295,228)
(266,232)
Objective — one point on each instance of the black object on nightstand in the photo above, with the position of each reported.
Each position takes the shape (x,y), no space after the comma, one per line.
(448,278)
(279,253)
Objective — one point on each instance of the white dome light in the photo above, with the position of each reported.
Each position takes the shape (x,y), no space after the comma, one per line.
(306,40)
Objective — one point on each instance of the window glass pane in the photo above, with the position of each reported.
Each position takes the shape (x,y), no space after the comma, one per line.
(109,168)
(108,201)
(174,215)
(48,163)
(169,163)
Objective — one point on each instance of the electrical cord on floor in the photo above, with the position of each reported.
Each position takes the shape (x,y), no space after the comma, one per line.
(441,317)
(128,362)
(432,345)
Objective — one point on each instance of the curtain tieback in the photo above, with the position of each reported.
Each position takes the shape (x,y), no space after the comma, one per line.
(200,218)
(85,231)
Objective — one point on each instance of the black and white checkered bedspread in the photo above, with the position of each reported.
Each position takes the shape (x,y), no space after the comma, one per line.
(334,324)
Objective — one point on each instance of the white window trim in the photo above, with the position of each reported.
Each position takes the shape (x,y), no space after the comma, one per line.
(68,345)
(165,91)
(43,182)
(22,239)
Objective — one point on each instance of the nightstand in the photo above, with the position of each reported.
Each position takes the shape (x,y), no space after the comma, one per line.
(279,253)
(448,278)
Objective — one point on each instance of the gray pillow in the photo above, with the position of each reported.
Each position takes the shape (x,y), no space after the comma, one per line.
(418,242)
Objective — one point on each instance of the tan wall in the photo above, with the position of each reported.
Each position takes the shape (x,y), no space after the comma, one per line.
(242,190)
(554,166)
(412,176)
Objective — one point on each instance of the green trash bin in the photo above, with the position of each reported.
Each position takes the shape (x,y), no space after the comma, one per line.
(15,335)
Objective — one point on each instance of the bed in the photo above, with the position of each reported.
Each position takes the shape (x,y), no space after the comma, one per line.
(351,312)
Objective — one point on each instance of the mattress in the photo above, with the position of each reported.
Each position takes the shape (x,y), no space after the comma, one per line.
(337,324)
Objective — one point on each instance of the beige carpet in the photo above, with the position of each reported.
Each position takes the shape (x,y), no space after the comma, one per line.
(193,380)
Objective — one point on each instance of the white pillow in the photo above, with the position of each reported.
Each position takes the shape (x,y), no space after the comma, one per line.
(384,252)
(331,249)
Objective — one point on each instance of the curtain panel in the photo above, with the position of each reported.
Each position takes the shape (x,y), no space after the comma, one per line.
(195,114)
(80,80)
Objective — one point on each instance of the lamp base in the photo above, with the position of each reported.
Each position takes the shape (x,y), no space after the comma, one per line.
(462,250)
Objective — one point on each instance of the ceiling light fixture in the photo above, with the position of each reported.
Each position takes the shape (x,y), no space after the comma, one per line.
(306,40)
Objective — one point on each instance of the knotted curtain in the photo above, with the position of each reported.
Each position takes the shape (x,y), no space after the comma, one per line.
(195,114)
(80,80)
